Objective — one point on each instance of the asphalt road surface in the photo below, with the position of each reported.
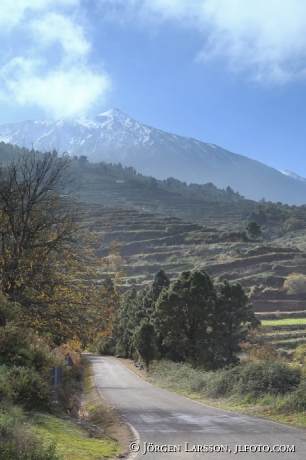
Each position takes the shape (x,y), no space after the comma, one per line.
(170,426)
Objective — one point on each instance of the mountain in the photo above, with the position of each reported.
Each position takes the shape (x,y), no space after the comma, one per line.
(292,174)
(115,137)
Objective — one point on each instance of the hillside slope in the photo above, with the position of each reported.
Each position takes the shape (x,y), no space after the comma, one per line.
(115,137)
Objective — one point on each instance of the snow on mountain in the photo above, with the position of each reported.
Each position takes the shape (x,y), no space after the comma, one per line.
(292,174)
(114,136)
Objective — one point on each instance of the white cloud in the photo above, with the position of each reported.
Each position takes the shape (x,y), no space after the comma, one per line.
(13,11)
(65,86)
(53,27)
(60,92)
(266,38)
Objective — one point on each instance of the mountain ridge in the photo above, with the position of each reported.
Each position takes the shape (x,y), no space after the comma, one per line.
(114,136)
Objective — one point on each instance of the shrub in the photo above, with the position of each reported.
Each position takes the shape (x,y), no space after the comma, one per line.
(170,230)
(15,441)
(259,379)
(19,357)
(24,386)
(262,352)
(224,382)
(293,224)
(180,376)
(295,283)
(299,357)
(296,401)
(249,399)
(264,377)
(12,338)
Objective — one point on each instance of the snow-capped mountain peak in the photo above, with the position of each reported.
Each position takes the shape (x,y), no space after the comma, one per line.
(114,136)
(292,174)
(114,113)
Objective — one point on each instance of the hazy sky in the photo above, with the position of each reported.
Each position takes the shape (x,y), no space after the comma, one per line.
(228,72)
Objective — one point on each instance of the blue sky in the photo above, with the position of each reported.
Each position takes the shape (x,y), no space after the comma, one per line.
(228,72)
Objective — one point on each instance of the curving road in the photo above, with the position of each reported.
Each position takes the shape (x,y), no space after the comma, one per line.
(179,428)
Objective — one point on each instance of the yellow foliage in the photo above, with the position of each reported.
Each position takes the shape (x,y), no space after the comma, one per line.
(299,357)
(293,224)
(260,352)
(48,262)
(295,283)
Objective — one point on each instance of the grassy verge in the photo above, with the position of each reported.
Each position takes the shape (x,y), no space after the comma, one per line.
(72,442)
(287,407)
(104,416)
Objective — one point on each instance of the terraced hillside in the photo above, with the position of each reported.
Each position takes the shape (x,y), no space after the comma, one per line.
(148,242)
(113,185)
(171,225)
(286,331)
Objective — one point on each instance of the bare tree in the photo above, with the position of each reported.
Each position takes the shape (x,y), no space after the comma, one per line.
(35,219)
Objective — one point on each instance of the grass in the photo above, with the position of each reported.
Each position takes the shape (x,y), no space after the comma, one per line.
(72,442)
(283,322)
(181,379)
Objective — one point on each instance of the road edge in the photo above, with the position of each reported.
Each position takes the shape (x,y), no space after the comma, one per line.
(143,375)
(105,416)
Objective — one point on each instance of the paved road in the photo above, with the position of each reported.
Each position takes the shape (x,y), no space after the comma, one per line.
(172,422)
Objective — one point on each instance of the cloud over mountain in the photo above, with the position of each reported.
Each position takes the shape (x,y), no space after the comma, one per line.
(47,62)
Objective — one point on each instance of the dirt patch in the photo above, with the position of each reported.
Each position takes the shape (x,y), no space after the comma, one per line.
(103,415)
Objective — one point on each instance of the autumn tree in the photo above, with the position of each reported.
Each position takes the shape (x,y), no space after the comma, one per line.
(295,284)
(46,266)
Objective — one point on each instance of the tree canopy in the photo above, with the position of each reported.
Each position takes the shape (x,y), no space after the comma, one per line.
(190,320)
(47,260)
(183,314)
(253,229)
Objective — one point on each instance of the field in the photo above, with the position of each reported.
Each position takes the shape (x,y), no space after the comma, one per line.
(284,322)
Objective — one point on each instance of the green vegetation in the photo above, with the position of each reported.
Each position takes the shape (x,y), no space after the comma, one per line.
(284,322)
(185,321)
(114,185)
(253,229)
(66,262)
(258,378)
(17,441)
(47,297)
(264,387)
(144,338)
(295,284)
(72,442)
